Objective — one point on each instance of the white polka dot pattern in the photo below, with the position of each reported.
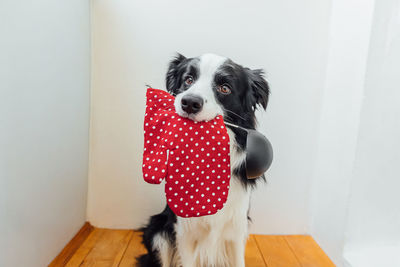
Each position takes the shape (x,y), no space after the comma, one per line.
(192,156)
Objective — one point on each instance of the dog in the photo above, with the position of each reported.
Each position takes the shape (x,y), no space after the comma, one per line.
(205,87)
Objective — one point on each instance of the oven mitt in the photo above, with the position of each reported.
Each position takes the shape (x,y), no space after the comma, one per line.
(192,156)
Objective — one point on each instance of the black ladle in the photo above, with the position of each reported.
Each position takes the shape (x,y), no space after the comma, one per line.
(259,153)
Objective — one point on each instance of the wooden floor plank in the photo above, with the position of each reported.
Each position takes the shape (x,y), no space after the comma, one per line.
(276,251)
(70,249)
(108,249)
(253,256)
(121,252)
(135,248)
(119,248)
(85,248)
(307,251)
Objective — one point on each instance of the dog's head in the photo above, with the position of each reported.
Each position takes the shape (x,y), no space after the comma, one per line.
(212,85)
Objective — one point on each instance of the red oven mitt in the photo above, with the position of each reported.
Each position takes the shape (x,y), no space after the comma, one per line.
(192,156)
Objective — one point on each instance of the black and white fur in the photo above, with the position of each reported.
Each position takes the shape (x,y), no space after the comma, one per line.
(217,240)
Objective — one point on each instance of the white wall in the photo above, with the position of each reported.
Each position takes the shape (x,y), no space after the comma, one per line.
(44,119)
(132,43)
(355,204)
(374,211)
(349,37)
(378,149)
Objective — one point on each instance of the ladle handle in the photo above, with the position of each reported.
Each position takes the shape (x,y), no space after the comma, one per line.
(235,126)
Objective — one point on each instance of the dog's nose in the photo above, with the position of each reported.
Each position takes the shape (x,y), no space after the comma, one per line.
(192,104)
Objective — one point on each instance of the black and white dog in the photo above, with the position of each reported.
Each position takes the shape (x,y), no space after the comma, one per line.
(205,87)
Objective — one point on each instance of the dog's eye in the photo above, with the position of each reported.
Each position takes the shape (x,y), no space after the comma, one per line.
(224,89)
(189,80)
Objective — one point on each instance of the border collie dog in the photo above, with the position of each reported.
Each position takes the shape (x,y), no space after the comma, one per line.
(205,87)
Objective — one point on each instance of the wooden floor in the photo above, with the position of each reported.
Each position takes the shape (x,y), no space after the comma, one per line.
(104,247)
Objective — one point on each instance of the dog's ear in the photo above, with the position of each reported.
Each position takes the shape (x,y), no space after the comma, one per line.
(172,79)
(259,88)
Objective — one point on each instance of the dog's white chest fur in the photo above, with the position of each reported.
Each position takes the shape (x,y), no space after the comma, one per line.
(217,240)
